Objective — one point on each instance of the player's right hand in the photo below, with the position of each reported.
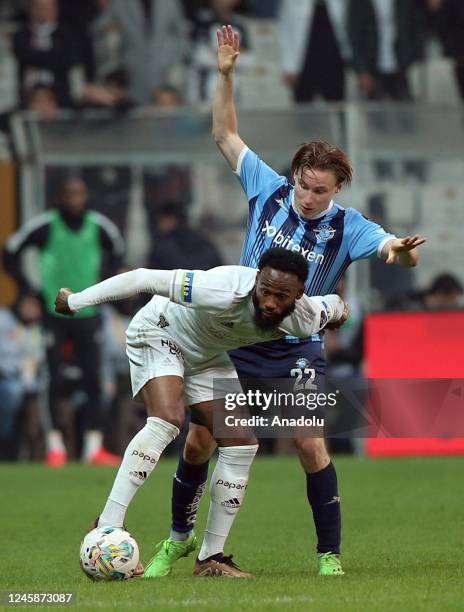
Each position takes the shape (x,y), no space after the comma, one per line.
(228,49)
(61,302)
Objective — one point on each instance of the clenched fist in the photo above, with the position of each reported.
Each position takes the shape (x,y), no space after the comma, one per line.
(61,302)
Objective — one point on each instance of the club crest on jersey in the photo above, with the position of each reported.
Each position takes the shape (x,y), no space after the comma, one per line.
(324,233)
(302,363)
(186,287)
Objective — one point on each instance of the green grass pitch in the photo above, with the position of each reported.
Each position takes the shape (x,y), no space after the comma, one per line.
(402,538)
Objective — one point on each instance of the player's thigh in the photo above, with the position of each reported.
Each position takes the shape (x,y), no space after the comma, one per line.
(205,393)
(163,397)
(199,444)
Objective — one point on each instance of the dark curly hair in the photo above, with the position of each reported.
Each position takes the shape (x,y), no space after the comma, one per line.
(285,261)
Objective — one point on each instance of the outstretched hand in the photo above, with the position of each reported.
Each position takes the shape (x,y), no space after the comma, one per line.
(401,246)
(228,49)
(61,302)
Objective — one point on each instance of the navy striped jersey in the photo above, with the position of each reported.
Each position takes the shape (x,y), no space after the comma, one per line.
(329,243)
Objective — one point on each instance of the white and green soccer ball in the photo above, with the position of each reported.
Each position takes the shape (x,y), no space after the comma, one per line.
(109,553)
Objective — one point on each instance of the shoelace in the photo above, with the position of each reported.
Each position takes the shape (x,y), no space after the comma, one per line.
(332,559)
(227,560)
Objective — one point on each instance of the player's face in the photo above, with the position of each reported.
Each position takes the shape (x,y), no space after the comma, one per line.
(274,297)
(314,189)
(74,196)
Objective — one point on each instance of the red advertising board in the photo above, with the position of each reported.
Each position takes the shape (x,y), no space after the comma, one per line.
(414,345)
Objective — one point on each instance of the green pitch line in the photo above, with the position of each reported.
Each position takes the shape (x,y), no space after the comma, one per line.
(402,538)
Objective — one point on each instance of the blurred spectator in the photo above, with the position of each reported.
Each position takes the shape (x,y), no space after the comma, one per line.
(43,101)
(314,48)
(450,26)
(47,50)
(153,40)
(170,182)
(178,245)
(206,19)
(386,37)
(445,292)
(21,356)
(264,9)
(167,97)
(72,243)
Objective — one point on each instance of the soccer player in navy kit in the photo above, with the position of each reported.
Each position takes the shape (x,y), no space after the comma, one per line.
(305,219)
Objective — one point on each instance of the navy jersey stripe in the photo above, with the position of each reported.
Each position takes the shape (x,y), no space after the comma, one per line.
(331,251)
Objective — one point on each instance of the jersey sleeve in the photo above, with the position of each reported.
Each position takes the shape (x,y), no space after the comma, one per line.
(214,290)
(256,176)
(366,237)
(312,314)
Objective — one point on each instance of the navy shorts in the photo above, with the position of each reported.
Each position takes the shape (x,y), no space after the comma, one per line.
(301,362)
(277,359)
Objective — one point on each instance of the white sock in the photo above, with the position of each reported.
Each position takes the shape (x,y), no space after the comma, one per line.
(55,441)
(140,459)
(93,441)
(228,485)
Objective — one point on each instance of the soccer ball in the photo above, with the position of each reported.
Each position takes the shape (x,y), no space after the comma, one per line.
(109,553)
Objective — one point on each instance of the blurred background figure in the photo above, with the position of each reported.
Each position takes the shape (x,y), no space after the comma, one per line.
(386,38)
(448,17)
(165,183)
(48,49)
(444,292)
(43,101)
(206,17)
(21,358)
(153,37)
(314,48)
(75,247)
(178,244)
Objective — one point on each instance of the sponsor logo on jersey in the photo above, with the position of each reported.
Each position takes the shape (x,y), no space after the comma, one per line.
(324,233)
(162,322)
(186,287)
(173,348)
(286,242)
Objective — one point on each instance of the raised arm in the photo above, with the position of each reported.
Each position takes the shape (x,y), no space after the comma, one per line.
(117,287)
(225,125)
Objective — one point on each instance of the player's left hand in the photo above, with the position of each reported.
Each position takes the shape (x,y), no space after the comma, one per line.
(61,302)
(402,245)
(341,320)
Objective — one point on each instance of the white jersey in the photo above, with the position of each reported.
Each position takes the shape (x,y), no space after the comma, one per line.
(206,313)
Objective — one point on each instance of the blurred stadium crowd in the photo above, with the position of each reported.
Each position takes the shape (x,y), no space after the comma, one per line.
(66,387)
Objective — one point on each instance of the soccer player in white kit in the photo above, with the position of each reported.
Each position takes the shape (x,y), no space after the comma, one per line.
(177,345)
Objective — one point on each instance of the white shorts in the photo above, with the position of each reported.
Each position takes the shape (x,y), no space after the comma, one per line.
(155,354)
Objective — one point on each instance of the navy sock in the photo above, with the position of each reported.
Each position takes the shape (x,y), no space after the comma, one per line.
(188,486)
(322,491)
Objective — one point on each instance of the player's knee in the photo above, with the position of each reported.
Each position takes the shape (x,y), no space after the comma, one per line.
(312,450)
(199,445)
(173,412)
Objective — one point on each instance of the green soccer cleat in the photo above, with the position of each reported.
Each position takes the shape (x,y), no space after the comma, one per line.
(169,551)
(329,565)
